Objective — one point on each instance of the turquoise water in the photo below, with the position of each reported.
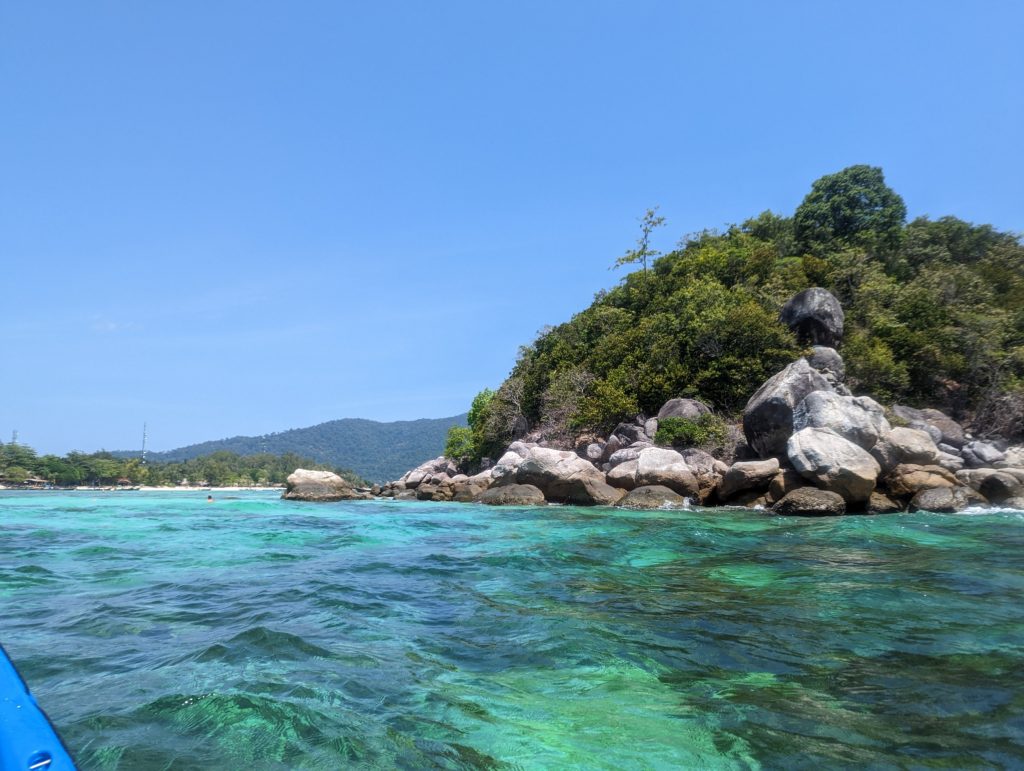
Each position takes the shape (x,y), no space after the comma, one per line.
(160,631)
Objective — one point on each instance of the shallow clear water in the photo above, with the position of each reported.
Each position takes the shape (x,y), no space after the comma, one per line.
(160,631)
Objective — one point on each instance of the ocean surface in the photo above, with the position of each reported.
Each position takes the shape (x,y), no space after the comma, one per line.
(162,632)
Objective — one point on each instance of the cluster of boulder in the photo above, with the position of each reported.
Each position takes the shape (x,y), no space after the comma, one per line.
(806,446)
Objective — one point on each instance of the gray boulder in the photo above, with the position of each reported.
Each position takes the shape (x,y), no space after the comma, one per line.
(748,475)
(320,486)
(816,316)
(706,468)
(981,454)
(1013,503)
(658,466)
(905,445)
(810,502)
(859,419)
(564,477)
(768,416)
(942,428)
(623,455)
(833,463)
(512,495)
(652,497)
(623,475)
(785,482)
(828,362)
(690,409)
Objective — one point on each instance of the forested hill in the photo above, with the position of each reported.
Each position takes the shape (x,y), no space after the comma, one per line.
(376,451)
(934,318)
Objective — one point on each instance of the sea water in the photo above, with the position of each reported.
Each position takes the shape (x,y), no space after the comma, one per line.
(161,631)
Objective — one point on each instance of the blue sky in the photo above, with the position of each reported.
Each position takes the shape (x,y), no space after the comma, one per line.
(244,216)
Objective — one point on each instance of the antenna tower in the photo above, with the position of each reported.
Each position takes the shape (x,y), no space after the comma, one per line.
(144,437)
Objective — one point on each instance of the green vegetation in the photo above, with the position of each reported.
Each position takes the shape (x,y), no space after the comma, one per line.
(706,430)
(934,317)
(19,464)
(376,451)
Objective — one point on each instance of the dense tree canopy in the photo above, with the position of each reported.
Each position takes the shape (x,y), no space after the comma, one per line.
(934,317)
(19,463)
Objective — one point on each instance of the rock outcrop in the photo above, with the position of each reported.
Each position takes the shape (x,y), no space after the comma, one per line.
(658,466)
(816,316)
(564,477)
(768,417)
(748,475)
(690,409)
(321,486)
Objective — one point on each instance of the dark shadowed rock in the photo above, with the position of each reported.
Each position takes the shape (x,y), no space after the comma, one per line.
(768,416)
(1013,503)
(816,316)
(690,409)
(785,482)
(512,495)
(883,504)
(321,486)
(811,502)
(652,497)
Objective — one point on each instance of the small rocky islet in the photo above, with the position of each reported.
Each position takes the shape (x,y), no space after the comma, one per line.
(806,446)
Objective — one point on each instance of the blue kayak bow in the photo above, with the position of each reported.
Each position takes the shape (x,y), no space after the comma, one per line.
(28,742)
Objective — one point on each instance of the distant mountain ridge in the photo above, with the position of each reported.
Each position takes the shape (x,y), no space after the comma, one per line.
(377,451)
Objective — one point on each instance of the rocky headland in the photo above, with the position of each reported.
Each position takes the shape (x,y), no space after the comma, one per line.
(805,446)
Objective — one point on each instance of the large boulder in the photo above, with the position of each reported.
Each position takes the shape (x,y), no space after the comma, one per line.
(306,485)
(512,495)
(811,502)
(768,416)
(859,419)
(785,482)
(652,497)
(748,475)
(944,429)
(905,445)
(690,409)
(659,466)
(908,479)
(833,463)
(623,475)
(816,316)
(564,477)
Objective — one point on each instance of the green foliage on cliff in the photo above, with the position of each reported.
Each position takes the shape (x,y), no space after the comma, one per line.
(682,432)
(19,463)
(934,316)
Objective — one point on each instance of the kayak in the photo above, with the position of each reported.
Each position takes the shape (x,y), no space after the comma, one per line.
(28,741)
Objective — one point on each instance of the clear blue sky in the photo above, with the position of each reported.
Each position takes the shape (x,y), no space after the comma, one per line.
(229,216)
